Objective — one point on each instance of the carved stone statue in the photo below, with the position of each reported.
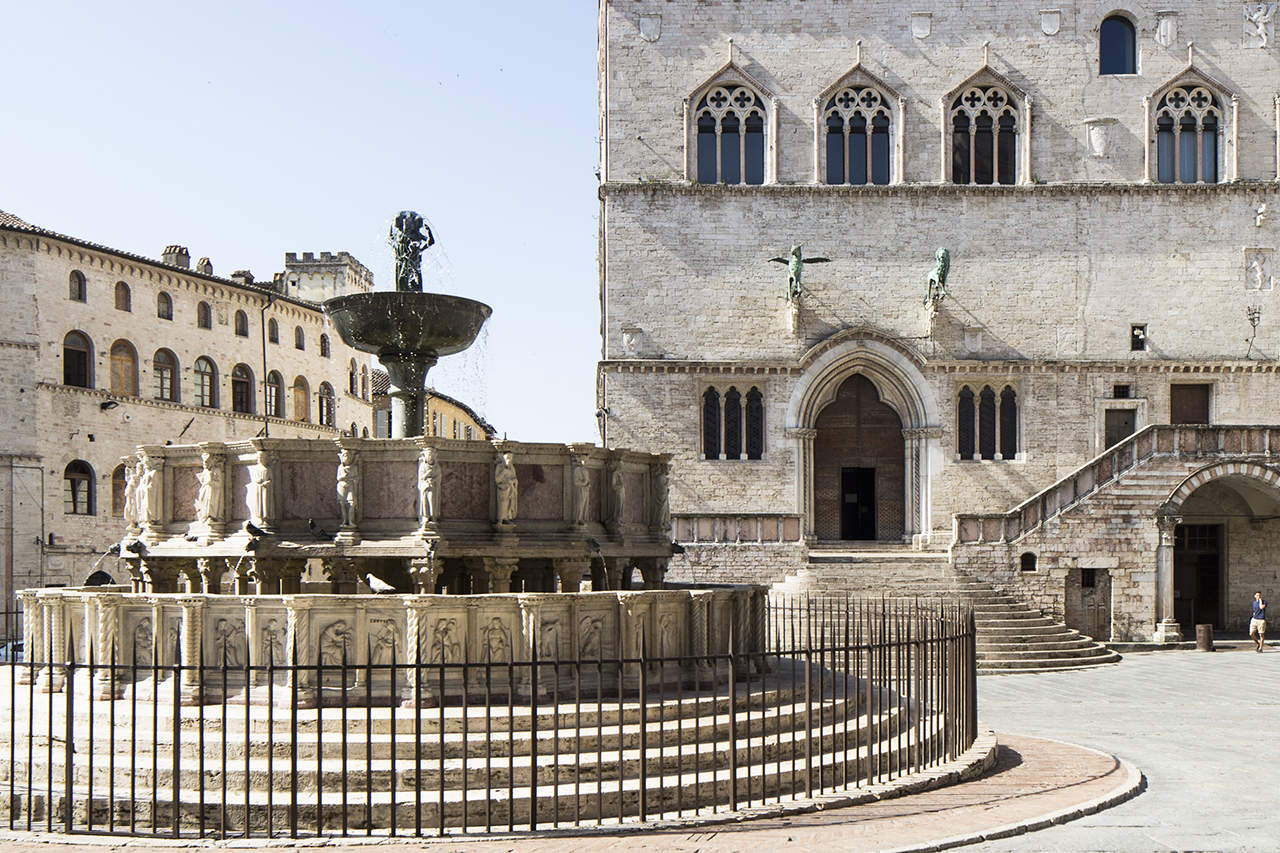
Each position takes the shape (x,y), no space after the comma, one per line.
(937,290)
(148,493)
(349,487)
(333,643)
(260,493)
(230,643)
(581,490)
(508,487)
(445,645)
(143,643)
(385,639)
(589,629)
(272,644)
(132,473)
(549,639)
(428,485)
(661,505)
(618,484)
(795,261)
(407,241)
(1259,16)
(497,642)
(209,499)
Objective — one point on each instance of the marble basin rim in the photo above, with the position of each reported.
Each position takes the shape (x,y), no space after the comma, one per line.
(402,323)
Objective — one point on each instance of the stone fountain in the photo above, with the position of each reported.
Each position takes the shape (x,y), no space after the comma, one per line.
(257,552)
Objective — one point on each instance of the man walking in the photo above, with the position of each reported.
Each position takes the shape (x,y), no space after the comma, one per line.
(1258,624)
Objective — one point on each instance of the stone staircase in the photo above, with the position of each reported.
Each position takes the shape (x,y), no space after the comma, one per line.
(1012,636)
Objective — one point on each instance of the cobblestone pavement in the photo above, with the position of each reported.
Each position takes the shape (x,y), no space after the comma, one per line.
(1203,728)
(1200,726)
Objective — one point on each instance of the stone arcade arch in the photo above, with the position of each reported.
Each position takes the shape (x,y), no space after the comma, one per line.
(895,374)
(1218,540)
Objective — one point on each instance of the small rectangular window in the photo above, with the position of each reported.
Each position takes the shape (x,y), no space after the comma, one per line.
(1121,392)
(1088,578)
(1138,338)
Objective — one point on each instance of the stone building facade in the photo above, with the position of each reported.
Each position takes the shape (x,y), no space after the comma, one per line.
(103,351)
(1103,178)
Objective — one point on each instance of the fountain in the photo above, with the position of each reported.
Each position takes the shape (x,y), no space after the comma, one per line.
(407,330)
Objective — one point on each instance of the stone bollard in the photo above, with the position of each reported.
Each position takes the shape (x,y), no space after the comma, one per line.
(1204,638)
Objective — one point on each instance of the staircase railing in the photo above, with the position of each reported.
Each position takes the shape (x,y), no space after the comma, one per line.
(1157,440)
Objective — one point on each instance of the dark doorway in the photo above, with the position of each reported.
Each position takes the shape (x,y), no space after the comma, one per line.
(1197,575)
(858,503)
(1119,425)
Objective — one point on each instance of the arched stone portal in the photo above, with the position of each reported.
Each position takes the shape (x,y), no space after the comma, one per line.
(858,468)
(889,383)
(1223,544)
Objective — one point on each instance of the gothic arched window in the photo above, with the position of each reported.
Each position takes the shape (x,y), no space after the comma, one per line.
(984,137)
(77,489)
(1188,120)
(164,370)
(241,389)
(124,299)
(755,424)
(1117,46)
(730,124)
(299,338)
(364,382)
(273,331)
(987,423)
(857,137)
(732,424)
(242,324)
(76,364)
(964,424)
(324,346)
(124,369)
(206,374)
(711,424)
(1008,423)
(204,316)
(353,381)
(164,306)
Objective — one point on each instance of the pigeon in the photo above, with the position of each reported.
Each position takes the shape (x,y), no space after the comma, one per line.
(677,548)
(377,585)
(191,537)
(318,532)
(135,547)
(253,530)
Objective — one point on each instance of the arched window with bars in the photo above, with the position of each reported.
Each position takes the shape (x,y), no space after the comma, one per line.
(858,143)
(733,424)
(730,124)
(204,316)
(79,286)
(164,306)
(984,136)
(711,424)
(987,423)
(124,299)
(77,367)
(242,389)
(1188,127)
(327,405)
(77,489)
(242,324)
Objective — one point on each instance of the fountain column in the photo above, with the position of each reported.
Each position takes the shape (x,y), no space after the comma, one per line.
(408,378)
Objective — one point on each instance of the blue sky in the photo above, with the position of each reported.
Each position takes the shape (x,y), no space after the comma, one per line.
(247,130)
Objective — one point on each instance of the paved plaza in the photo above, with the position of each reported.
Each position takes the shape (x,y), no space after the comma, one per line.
(1201,727)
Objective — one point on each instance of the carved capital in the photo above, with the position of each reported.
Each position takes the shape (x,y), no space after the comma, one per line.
(500,570)
(570,572)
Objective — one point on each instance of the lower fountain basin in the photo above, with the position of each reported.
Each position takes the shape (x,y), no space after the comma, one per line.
(390,323)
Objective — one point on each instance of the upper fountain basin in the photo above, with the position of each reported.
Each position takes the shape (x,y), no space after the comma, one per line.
(386,323)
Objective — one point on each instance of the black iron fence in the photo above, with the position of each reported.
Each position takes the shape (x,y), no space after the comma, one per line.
(848,694)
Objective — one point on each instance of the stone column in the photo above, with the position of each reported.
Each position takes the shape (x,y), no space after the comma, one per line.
(1166,628)
(189,573)
(298,641)
(265,578)
(32,634)
(53,674)
(570,572)
(107,649)
(500,570)
(423,571)
(160,574)
(289,575)
(653,570)
(342,574)
(192,634)
(615,569)
(804,476)
(414,652)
